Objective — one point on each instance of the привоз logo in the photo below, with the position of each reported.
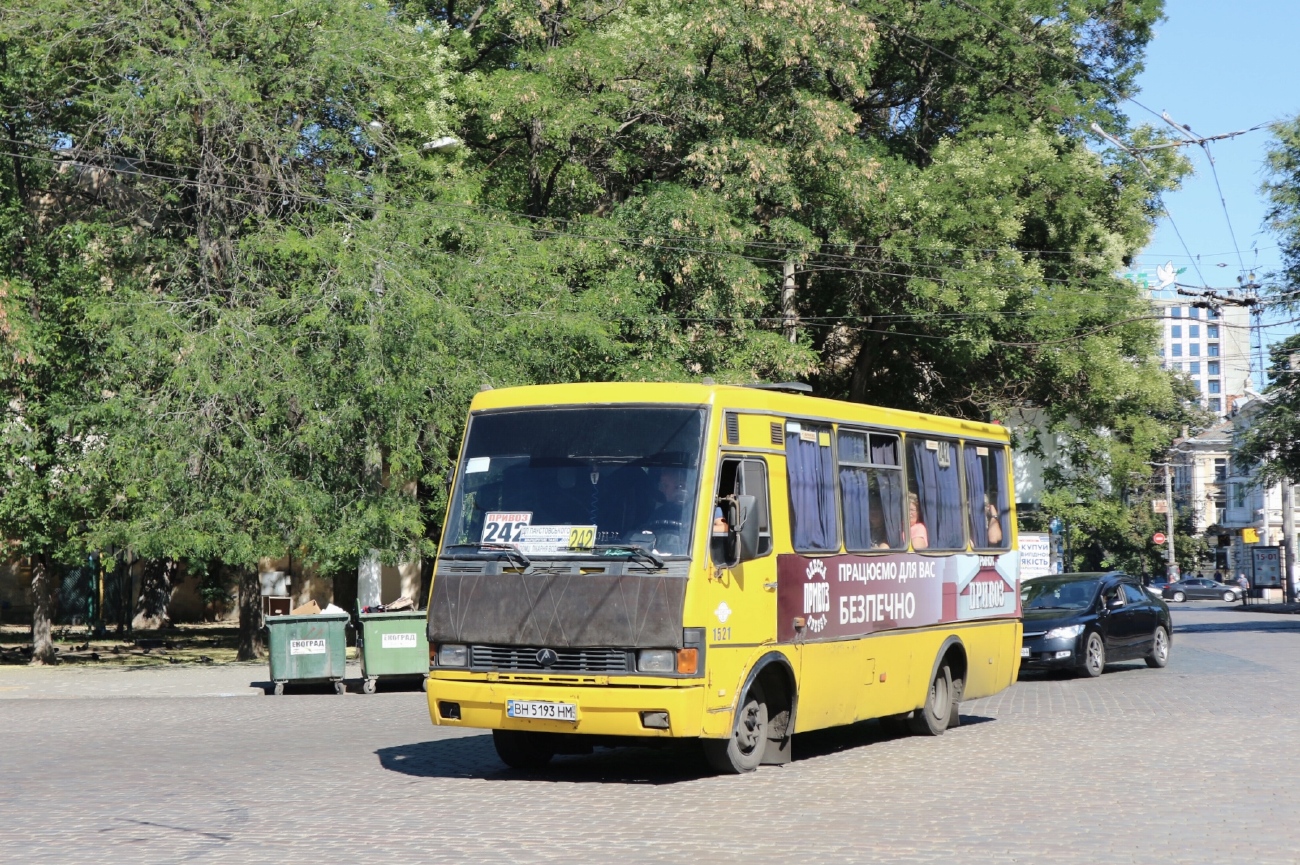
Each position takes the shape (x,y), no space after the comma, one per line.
(547,657)
(816,596)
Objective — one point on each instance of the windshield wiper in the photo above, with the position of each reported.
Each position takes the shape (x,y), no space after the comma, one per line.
(509,553)
(636,551)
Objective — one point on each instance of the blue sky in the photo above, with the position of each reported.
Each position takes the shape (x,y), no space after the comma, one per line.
(1220,66)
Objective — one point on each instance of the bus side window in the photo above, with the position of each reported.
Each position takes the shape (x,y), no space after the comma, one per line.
(810,472)
(987,500)
(936,514)
(871,491)
(746,477)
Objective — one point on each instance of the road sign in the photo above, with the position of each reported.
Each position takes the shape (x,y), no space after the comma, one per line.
(1160,506)
(1159,537)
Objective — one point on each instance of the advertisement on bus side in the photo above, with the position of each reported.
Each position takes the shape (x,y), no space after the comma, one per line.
(838,597)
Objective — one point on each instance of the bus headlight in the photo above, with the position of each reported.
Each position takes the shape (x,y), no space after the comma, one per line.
(656,661)
(452,655)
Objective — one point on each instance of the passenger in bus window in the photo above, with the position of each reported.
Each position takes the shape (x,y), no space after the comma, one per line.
(995,524)
(920,536)
(878,531)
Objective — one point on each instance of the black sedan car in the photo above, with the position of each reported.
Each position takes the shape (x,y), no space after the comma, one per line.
(1201,590)
(1084,621)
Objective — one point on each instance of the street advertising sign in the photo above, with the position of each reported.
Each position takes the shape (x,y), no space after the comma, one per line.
(1267,562)
(1159,506)
(1035,554)
(1159,538)
(840,597)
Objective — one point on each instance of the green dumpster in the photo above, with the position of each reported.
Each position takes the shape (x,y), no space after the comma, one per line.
(392,645)
(308,649)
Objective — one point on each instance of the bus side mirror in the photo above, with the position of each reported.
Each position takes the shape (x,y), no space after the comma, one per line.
(746,527)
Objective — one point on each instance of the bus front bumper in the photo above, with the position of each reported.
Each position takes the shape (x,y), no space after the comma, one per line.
(601,710)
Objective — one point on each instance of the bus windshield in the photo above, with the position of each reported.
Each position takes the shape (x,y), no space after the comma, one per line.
(571,481)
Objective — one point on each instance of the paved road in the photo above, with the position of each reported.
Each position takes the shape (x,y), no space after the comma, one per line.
(1195,763)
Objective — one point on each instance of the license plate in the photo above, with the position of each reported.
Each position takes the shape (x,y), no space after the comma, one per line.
(1024,651)
(543,710)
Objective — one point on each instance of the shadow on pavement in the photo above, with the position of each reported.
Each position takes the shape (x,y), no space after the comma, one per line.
(681,760)
(474,757)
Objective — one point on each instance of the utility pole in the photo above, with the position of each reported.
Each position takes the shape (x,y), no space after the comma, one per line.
(788,316)
(1288,540)
(1171,563)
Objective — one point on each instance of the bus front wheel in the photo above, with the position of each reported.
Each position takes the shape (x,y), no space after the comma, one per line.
(522,749)
(933,718)
(743,750)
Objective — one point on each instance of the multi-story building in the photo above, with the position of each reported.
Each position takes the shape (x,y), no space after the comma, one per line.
(1250,504)
(1211,347)
(1200,481)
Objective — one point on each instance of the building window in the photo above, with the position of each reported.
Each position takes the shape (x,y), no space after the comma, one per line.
(1220,469)
(1194,313)
(1194,367)
(1176,331)
(1175,312)
(1194,331)
(1212,331)
(1214,385)
(1212,367)
(1194,349)
(1177,350)
(1212,315)
(1216,404)
(1212,349)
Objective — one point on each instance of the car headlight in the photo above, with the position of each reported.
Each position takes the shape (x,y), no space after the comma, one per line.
(1064,633)
(452,655)
(656,661)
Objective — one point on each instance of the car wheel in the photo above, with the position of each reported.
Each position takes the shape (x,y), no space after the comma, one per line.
(1229,597)
(743,751)
(522,749)
(1094,656)
(932,718)
(1179,597)
(1159,655)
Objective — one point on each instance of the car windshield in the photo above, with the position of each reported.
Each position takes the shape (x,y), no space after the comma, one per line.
(575,481)
(1061,593)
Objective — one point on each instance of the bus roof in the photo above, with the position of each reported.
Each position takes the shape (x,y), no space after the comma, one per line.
(730,397)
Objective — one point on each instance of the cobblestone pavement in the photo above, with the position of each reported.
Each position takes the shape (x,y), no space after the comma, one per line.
(1195,763)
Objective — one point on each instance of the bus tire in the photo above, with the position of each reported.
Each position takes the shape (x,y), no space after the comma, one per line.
(954,716)
(742,751)
(522,749)
(932,718)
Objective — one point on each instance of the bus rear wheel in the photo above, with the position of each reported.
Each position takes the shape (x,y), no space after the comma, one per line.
(522,749)
(743,750)
(933,718)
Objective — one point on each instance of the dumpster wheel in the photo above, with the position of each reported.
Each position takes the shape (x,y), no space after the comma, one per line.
(340,687)
(368,686)
(279,689)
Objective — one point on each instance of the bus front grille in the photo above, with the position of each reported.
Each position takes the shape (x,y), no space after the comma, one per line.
(564,660)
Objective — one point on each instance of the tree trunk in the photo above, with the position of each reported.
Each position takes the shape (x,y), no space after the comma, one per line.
(156,584)
(251,645)
(43,588)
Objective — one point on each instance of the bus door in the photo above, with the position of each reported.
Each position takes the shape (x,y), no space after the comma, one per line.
(742,598)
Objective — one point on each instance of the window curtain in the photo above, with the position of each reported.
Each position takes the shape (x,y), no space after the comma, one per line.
(979,524)
(855,492)
(811,475)
(890,485)
(1004,494)
(939,491)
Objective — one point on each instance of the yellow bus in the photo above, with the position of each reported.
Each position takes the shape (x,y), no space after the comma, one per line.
(628,562)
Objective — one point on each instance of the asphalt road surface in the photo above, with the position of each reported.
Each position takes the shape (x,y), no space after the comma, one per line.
(1194,763)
